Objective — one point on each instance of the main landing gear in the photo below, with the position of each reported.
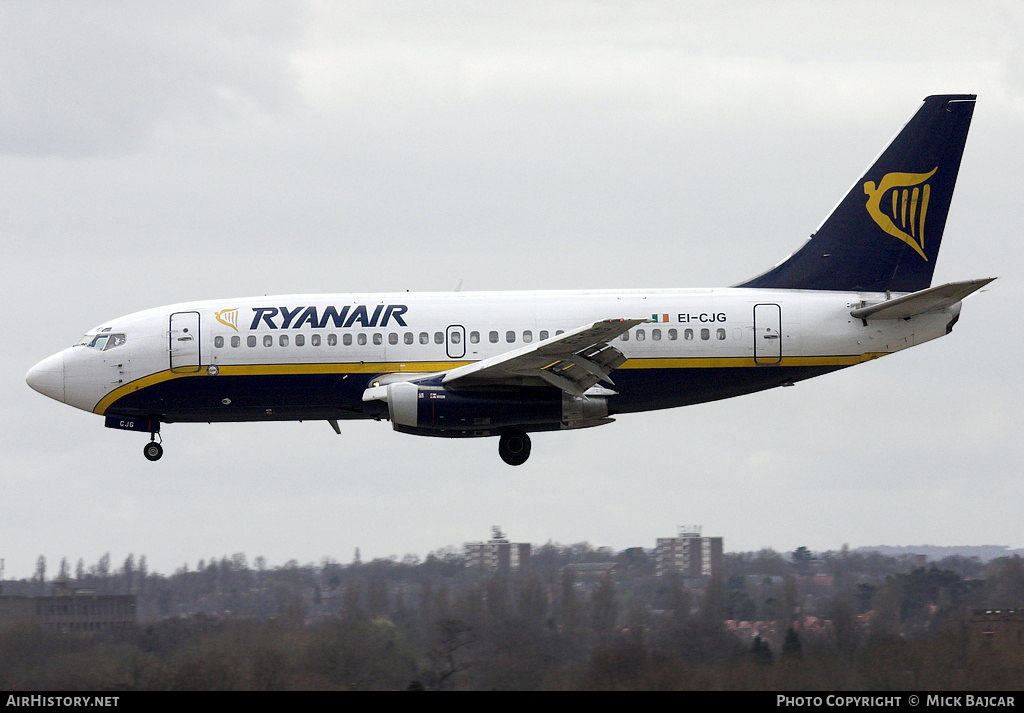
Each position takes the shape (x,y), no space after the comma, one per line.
(514,446)
(153,450)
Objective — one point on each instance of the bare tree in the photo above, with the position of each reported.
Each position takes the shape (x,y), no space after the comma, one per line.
(64,575)
(449,657)
(604,609)
(128,569)
(39,578)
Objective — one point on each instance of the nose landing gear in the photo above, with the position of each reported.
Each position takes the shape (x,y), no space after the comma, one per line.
(514,446)
(153,450)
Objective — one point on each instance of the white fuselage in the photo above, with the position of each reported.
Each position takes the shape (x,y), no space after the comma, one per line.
(750,338)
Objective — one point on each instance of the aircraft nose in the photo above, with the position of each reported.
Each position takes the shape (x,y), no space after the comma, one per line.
(47,377)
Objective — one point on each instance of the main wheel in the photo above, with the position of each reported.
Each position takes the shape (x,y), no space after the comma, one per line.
(514,446)
(153,451)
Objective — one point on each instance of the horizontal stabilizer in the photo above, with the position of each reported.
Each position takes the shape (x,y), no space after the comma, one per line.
(929,300)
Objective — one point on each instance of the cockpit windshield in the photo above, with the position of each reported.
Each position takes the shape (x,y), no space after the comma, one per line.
(103,341)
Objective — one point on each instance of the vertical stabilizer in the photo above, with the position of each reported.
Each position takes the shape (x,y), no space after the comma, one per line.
(885,234)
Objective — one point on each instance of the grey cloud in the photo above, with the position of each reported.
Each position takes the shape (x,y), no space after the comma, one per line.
(83,79)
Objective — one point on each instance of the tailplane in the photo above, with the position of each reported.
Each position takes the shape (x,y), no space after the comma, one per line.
(885,234)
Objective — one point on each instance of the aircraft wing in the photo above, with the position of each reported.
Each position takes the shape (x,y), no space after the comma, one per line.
(573,361)
(929,300)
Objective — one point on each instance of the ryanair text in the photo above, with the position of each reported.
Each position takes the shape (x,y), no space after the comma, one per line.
(298,317)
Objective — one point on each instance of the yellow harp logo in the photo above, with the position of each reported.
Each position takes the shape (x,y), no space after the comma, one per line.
(899,206)
(228,317)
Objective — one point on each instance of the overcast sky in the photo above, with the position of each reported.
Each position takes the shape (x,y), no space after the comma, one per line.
(153,153)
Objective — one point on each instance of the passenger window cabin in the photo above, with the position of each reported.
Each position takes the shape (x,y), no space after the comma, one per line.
(528,336)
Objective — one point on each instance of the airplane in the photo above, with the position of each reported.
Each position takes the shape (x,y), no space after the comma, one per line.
(507,364)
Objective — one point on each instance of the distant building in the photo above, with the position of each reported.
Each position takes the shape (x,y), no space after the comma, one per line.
(497,554)
(591,571)
(689,554)
(1002,628)
(588,576)
(70,610)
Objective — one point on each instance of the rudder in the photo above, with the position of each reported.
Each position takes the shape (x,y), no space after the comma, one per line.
(885,234)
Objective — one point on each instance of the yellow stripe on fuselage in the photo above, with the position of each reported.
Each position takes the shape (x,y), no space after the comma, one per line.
(376,367)
(426,367)
(743,362)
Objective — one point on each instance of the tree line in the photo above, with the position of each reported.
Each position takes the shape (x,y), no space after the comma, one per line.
(834,621)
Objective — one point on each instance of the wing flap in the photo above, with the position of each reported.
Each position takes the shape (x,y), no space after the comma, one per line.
(572,362)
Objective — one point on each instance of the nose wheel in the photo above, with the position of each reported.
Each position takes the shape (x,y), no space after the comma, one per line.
(153,450)
(514,446)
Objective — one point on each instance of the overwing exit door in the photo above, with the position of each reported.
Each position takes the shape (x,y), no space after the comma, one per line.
(455,341)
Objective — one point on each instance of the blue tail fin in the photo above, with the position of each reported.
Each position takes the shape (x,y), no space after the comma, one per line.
(885,234)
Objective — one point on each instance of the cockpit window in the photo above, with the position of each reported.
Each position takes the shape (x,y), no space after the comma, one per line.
(102,342)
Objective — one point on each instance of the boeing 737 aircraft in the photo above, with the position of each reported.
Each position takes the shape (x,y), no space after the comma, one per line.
(463,364)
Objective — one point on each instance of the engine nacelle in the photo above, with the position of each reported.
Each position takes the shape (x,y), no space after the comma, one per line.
(434,410)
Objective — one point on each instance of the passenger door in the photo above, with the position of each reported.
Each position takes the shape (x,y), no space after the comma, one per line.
(183,339)
(767,334)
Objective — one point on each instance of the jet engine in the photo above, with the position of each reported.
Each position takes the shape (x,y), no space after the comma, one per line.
(434,410)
